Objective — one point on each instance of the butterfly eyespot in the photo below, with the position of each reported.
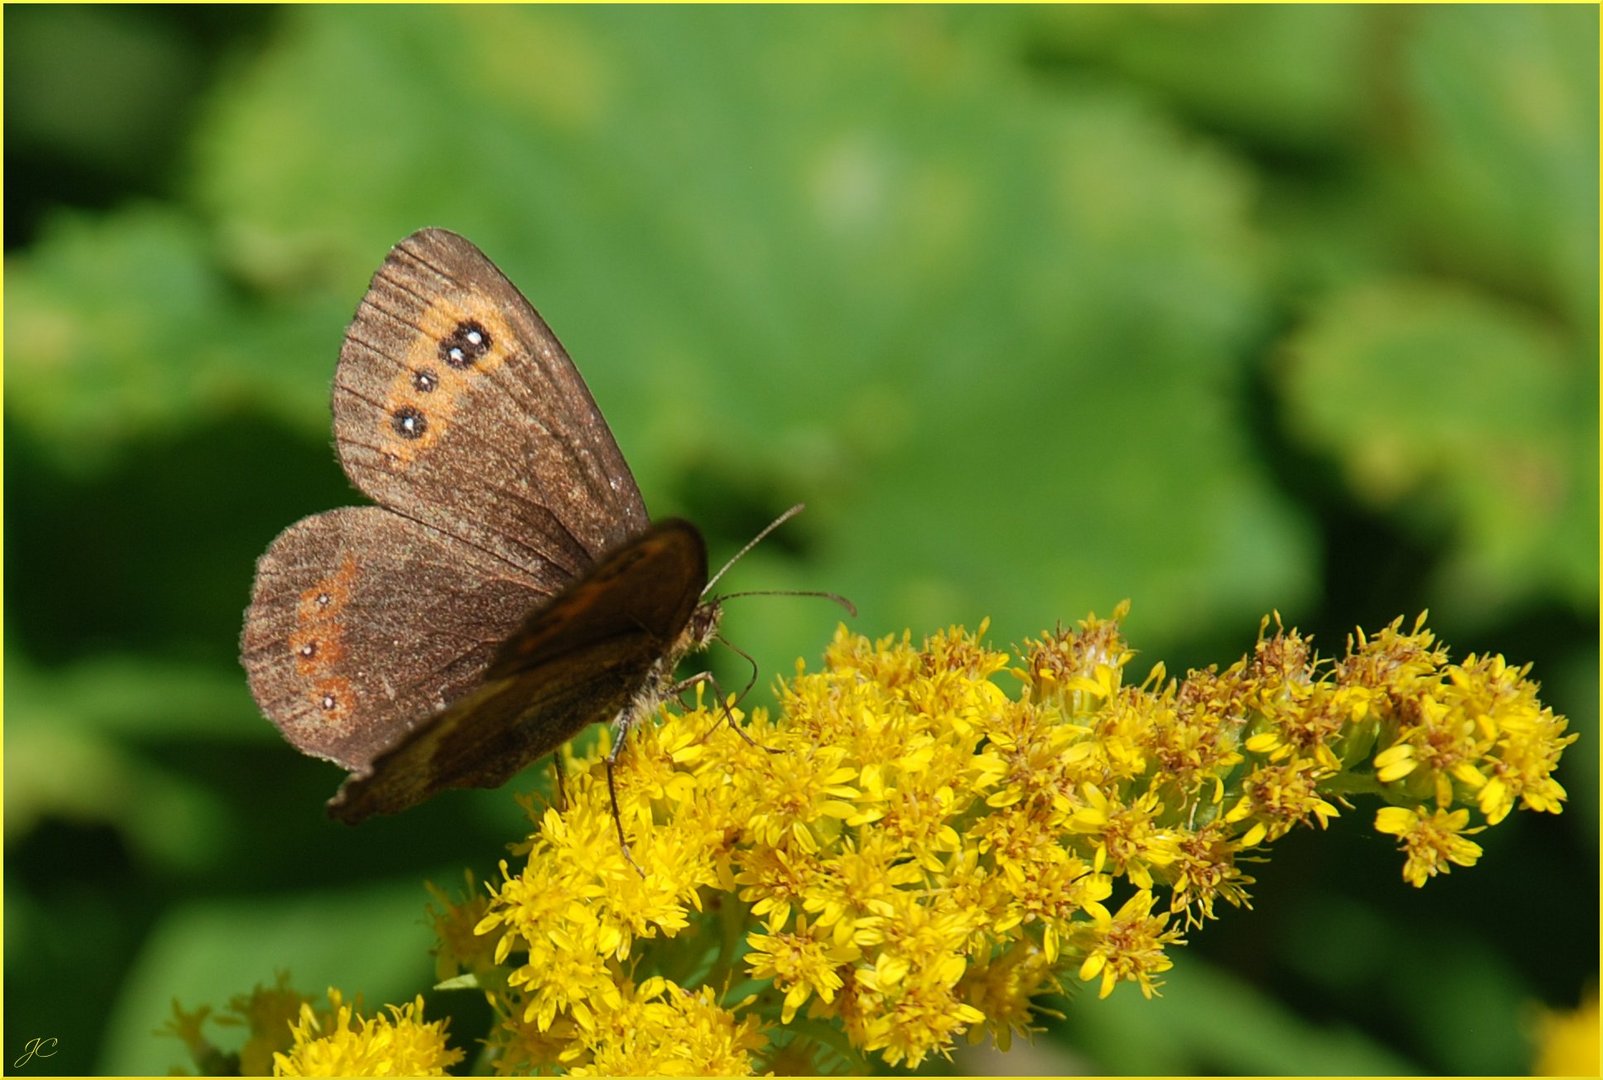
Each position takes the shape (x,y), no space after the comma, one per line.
(467,343)
(328,703)
(308,650)
(323,599)
(425,381)
(410,423)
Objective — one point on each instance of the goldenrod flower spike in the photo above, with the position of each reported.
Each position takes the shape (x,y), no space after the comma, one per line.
(910,853)
(925,839)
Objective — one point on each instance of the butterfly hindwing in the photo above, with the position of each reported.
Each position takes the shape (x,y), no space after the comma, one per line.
(363,622)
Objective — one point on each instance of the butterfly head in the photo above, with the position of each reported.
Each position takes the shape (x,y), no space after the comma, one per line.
(702,628)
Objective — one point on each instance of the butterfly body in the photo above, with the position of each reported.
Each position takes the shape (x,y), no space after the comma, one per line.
(508,589)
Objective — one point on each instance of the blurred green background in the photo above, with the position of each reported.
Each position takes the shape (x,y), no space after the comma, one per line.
(1219,309)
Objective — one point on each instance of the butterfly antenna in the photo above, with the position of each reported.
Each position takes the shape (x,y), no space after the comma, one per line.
(851,608)
(772,525)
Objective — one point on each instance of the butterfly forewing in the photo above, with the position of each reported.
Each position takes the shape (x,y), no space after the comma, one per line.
(455,404)
(649,586)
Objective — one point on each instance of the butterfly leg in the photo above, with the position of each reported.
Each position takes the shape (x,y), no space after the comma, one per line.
(562,787)
(678,689)
(621,726)
(732,647)
(707,677)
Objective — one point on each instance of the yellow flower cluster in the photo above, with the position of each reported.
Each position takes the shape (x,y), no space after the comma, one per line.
(908,854)
(338,1042)
(288,1037)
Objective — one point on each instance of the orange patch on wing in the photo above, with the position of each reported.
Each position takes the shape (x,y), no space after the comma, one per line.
(423,362)
(317,621)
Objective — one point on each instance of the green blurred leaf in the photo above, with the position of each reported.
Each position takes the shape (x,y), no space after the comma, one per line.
(123,328)
(1462,415)
(1464,1000)
(73,740)
(1278,73)
(1206,1016)
(130,697)
(1467,134)
(206,952)
(1498,170)
(121,116)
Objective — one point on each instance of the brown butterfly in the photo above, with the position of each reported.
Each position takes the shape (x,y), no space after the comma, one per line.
(507,591)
